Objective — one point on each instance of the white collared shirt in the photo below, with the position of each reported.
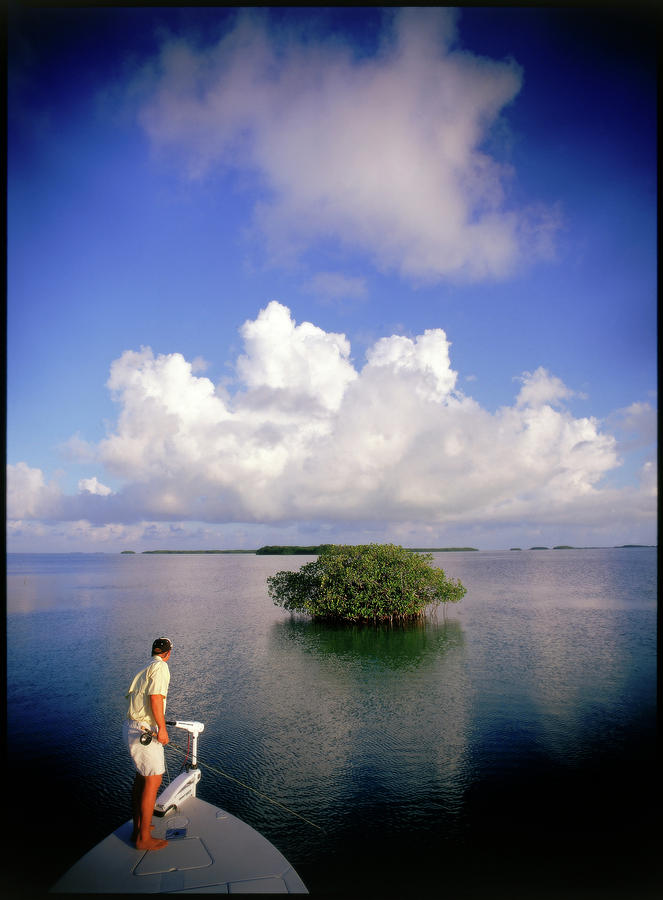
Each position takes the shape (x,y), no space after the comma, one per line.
(153,679)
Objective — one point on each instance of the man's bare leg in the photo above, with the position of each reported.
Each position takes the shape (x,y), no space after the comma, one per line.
(136,794)
(146,794)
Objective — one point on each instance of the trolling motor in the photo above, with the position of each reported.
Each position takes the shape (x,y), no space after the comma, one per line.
(185,784)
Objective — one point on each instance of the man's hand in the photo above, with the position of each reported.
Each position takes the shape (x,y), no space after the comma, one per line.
(162,735)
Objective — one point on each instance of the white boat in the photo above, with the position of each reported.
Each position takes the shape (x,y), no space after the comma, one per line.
(208,851)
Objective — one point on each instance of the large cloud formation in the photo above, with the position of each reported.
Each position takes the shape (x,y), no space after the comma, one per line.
(306,436)
(385,152)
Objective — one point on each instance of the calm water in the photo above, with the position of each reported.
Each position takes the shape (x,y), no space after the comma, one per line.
(505,748)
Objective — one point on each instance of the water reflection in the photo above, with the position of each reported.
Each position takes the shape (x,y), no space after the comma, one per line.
(402,646)
(371,711)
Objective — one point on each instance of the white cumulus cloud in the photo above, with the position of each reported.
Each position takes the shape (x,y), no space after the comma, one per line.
(296,360)
(541,388)
(93,486)
(309,437)
(637,424)
(28,494)
(385,153)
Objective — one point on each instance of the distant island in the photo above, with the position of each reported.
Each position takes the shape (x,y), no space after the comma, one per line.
(443,549)
(279,550)
(194,551)
(286,550)
(618,547)
(317,549)
(635,546)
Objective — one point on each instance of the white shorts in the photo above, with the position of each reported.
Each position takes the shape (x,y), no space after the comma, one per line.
(148,758)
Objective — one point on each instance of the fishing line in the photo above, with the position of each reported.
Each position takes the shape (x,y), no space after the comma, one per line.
(147,737)
(248,788)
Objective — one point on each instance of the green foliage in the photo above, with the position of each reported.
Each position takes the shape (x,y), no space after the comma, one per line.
(443,549)
(280,550)
(365,583)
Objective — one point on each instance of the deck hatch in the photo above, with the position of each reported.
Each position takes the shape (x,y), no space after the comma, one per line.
(187,853)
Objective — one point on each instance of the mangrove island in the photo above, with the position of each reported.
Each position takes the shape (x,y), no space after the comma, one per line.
(366,583)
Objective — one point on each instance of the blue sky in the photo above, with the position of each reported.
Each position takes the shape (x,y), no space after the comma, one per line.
(290,275)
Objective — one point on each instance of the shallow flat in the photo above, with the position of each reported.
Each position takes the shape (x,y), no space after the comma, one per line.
(209,851)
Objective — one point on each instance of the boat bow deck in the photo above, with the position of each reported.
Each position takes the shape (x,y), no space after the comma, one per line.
(209,851)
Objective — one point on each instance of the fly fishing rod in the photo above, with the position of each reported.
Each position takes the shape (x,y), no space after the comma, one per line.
(148,736)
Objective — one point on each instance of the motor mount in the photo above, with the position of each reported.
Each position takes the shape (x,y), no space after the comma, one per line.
(185,784)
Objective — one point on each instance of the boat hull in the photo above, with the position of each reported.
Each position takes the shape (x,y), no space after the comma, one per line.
(209,851)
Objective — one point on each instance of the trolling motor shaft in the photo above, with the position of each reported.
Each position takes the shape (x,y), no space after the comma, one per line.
(185,784)
(194,728)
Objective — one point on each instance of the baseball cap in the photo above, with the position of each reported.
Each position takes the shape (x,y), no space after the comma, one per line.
(162,645)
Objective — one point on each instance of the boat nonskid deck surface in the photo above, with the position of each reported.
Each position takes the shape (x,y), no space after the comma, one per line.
(208,850)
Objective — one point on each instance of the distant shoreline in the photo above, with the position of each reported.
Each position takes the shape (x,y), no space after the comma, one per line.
(296,550)
(148,552)
(308,551)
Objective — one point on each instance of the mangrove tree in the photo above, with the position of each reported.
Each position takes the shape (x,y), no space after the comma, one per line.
(365,583)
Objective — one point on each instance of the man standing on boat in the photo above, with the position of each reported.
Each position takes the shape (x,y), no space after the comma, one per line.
(145,734)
